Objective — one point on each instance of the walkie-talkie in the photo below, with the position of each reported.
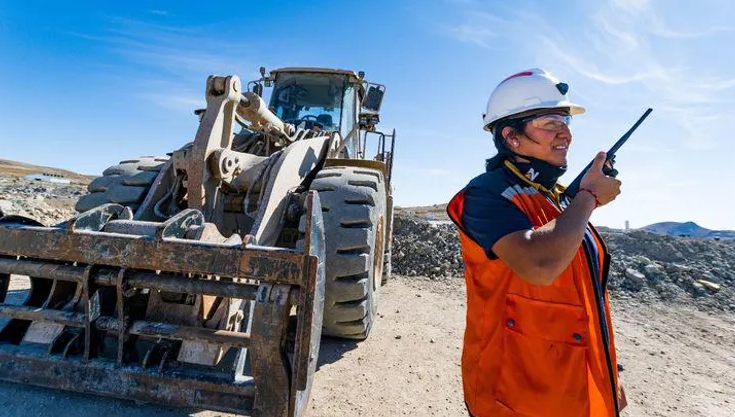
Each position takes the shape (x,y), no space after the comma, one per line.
(573,188)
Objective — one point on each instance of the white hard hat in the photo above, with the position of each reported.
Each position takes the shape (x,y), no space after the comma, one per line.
(532,89)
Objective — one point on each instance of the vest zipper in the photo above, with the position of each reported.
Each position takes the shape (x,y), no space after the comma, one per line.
(600,312)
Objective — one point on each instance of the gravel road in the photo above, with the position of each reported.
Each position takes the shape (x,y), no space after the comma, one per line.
(677,361)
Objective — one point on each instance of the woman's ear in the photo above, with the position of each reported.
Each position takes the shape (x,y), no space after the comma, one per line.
(509,134)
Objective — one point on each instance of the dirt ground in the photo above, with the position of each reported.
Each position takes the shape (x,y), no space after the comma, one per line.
(677,362)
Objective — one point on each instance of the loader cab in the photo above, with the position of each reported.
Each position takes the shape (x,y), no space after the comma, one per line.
(315,99)
(332,100)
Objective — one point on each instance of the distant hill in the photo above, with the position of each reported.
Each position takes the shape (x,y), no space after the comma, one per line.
(20,169)
(688,229)
(434,212)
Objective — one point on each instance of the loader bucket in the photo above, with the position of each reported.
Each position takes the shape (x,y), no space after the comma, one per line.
(86,324)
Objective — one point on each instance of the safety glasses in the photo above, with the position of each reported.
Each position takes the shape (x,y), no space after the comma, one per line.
(553,122)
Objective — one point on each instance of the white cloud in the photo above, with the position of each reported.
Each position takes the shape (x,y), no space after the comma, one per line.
(177,102)
(629,60)
(478,28)
(589,69)
(631,6)
(651,18)
(660,28)
(615,34)
(474,34)
(172,59)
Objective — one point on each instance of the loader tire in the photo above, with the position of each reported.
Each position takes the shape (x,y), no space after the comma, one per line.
(126,183)
(353,205)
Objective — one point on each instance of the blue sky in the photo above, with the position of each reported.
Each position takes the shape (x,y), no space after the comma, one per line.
(88,85)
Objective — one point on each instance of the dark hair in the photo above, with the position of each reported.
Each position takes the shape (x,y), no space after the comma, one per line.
(503,151)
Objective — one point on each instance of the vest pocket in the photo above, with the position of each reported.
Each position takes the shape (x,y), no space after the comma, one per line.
(543,371)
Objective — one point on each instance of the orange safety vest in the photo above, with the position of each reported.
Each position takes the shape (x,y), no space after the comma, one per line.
(533,350)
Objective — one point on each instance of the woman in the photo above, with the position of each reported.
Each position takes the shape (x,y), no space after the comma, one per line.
(538,339)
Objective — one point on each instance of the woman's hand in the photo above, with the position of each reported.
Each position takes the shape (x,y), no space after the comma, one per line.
(538,256)
(604,187)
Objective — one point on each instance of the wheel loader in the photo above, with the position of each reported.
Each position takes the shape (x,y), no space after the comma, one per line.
(205,278)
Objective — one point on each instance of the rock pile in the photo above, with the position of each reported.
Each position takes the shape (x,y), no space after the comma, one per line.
(673,268)
(421,248)
(644,265)
(47,202)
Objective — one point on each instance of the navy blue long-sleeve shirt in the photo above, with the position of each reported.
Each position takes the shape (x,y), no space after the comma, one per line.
(488,215)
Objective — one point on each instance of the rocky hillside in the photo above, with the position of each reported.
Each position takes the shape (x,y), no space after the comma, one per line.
(46,202)
(436,212)
(644,265)
(19,169)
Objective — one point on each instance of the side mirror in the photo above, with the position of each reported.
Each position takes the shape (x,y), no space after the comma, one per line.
(199,113)
(374,98)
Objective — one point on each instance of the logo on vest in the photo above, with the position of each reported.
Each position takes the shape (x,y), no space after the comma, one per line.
(532,174)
